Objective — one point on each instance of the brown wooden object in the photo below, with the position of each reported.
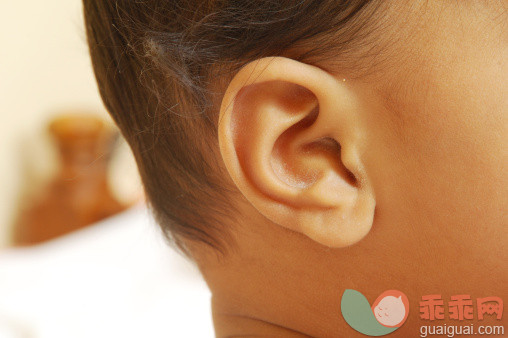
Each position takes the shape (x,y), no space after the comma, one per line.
(79,194)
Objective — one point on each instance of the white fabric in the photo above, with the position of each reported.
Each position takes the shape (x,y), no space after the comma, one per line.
(117,278)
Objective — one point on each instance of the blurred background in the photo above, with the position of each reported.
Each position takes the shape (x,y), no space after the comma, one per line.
(45,72)
(80,256)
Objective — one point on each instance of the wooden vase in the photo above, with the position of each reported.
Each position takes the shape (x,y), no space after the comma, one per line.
(79,194)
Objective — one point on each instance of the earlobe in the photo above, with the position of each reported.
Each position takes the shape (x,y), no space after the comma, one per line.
(291,143)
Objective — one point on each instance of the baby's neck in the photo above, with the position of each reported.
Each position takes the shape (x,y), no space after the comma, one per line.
(274,282)
(267,290)
(231,325)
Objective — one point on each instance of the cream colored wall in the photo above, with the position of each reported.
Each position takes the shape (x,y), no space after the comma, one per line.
(44,69)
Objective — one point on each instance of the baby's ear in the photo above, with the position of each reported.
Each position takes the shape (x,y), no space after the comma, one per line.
(289,136)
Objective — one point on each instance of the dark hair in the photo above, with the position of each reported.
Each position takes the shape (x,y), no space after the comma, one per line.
(159,65)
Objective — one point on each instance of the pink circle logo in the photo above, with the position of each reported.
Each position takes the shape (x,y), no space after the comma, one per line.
(390,308)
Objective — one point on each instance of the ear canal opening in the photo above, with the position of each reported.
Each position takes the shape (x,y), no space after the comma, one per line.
(332,147)
(301,165)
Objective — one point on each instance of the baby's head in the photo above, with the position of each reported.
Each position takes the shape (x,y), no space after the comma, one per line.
(297,148)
